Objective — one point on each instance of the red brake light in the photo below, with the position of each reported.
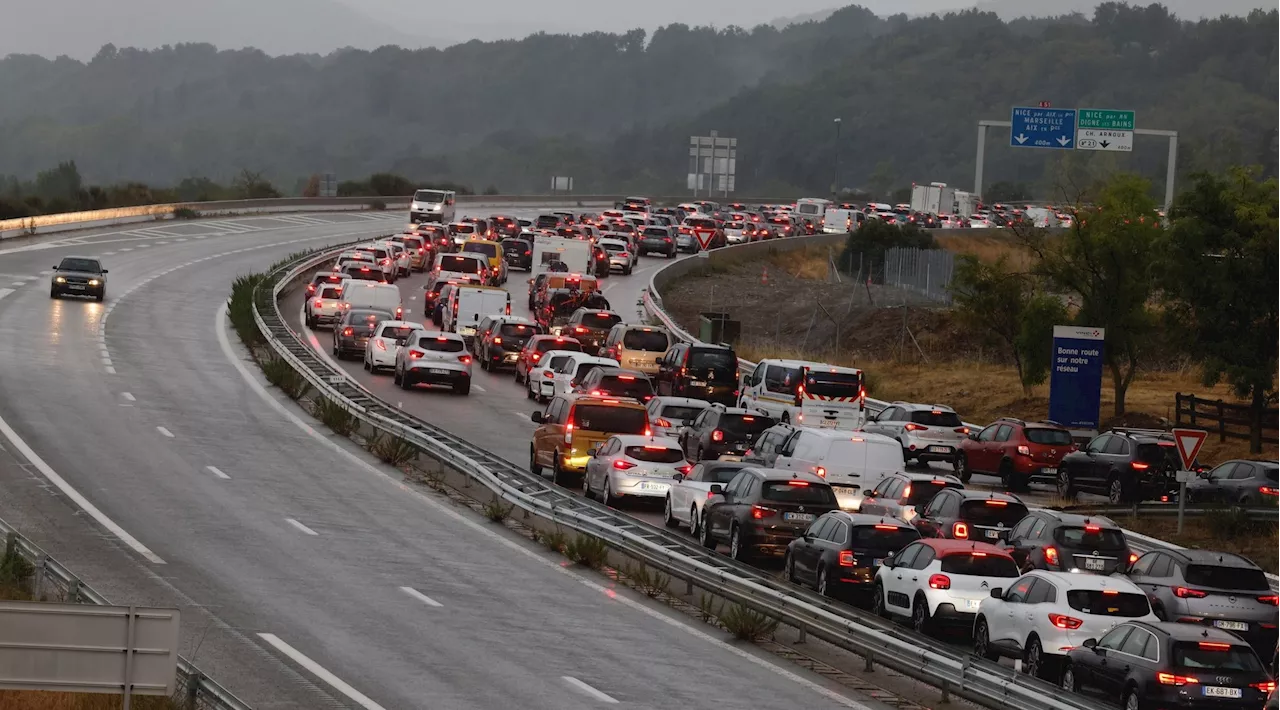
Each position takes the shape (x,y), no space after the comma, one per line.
(1092,528)
(964,430)
(464,359)
(1211,646)
(535,357)
(846,558)
(1271,599)
(547,374)
(623,465)
(1000,503)
(1171,679)
(685,469)
(319,303)
(1110,592)
(797,483)
(497,340)
(960,531)
(1024,450)
(1133,557)
(748,419)
(1062,621)
(662,422)
(906,492)
(347,331)
(380,345)
(579,329)
(822,472)
(627,378)
(414,354)
(1186,593)
(1139,466)
(759,512)
(1268,490)
(717,435)
(912,426)
(1266,686)
(1051,555)
(886,527)
(939,581)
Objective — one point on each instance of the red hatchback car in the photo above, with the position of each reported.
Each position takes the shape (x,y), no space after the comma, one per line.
(1017,451)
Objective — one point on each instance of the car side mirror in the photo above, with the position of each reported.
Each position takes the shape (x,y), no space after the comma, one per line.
(1090,643)
(105,270)
(593,450)
(888,562)
(973,435)
(717,489)
(536,417)
(677,477)
(997,593)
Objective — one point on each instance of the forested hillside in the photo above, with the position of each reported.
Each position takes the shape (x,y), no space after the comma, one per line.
(615,111)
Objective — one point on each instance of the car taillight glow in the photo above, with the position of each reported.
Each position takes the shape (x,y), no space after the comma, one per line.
(960,531)
(1187,593)
(497,340)
(1171,679)
(1062,621)
(1024,450)
(415,354)
(1271,599)
(998,503)
(1140,466)
(717,435)
(760,512)
(464,359)
(379,344)
(846,558)
(962,430)
(1267,490)
(1266,686)
(939,581)
(798,483)
(663,422)
(1133,557)
(1092,528)
(1211,646)
(685,469)
(886,527)
(535,357)
(822,472)
(348,332)
(623,465)
(911,426)
(319,303)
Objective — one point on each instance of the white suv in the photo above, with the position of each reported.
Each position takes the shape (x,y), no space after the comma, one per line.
(937,582)
(927,432)
(434,358)
(1043,615)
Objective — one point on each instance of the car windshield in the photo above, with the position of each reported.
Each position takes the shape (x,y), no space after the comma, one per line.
(361,273)
(1223,577)
(700,223)
(1219,656)
(1092,537)
(73,264)
(459,264)
(547,222)
(1108,602)
(1048,437)
(980,564)
(883,537)
(585,369)
(919,493)
(992,512)
(396,332)
(331,292)
(515,246)
(441,344)
(722,473)
(600,321)
(485,248)
(462,228)
(433,196)
(936,417)
(833,384)
(611,419)
(558,344)
(650,341)
(655,454)
(795,491)
(680,412)
(743,427)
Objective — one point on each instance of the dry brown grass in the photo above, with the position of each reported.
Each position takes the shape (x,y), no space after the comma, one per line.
(1259,547)
(988,247)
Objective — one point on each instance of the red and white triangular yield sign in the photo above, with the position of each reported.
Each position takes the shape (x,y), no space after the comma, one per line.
(1189,442)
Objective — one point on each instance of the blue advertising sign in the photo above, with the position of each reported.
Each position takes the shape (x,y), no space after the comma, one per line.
(1075,380)
(1043,128)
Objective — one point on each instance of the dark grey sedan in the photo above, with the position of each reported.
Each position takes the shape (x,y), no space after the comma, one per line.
(79,276)
(354,329)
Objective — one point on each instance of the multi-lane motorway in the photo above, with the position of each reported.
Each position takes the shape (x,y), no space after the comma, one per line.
(141,451)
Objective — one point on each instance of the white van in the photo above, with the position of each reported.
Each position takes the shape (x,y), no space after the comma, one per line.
(371,294)
(806,394)
(462,267)
(838,221)
(468,304)
(812,207)
(852,462)
(433,206)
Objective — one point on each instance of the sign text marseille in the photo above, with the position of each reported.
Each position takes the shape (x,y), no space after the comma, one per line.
(1034,127)
(1075,380)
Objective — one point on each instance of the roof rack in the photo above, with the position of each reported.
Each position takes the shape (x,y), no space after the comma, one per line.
(1138,431)
(1015,420)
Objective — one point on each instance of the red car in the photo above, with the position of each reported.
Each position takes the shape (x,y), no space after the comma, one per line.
(1018,452)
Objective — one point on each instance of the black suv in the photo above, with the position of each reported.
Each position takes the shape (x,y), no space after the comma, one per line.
(722,431)
(840,552)
(981,516)
(1125,465)
(617,382)
(590,327)
(1215,589)
(700,371)
(762,510)
(1066,542)
(519,255)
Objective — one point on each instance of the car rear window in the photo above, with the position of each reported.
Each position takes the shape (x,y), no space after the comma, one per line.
(980,564)
(361,315)
(516,246)
(411,242)
(1215,655)
(555,344)
(743,426)
(1048,437)
(884,537)
(921,492)
(361,273)
(655,454)
(984,512)
(724,360)
(585,369)
(463,229)
(1163,455)
(610,419)
(1108,602)
(656,231)
(627,386)
(722,473)
(936,417)
(600,320)
(614,246)
(833,384)
(483,248)
(701,224)
(459,264)
(517,330)
(650,341)
(1223,577)
(330,292)
(440,344)
(396,331)
(680,412)
(798,492)
(1095,538)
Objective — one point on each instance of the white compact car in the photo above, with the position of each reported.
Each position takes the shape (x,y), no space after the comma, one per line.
(380,351)
(326,307)
(621,255)
(668,415)
(383,259)
(937,581)
(570,373)
(433,358)
(1043,615)
(400,256)
(691,490)
(544,371)
(633,466)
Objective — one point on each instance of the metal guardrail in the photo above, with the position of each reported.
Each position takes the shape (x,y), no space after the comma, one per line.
(1162,509)
(194,687)
(913,655)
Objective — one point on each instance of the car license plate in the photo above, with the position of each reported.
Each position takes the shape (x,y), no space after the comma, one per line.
(1090,563)
(993,533)
(940,449)
(650,486)
(828,423)
(1231,625)
(76,287)
(697,383)
(972,603)
(798,517)
(510,357)
(877,563)
(1049,471)
(435,371)
(1218,691)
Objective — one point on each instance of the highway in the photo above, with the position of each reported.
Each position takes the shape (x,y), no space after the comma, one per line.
(144,452)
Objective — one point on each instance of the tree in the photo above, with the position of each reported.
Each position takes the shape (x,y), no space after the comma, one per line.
(1219,279)
(1009,310)
(250,185)
(1107,258)
(882,178)
(312,188)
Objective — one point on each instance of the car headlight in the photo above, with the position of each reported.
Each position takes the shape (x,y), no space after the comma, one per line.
(60,280)
(93,282)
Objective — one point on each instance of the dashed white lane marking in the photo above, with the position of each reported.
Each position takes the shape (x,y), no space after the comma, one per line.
(111,370)
(164,431)
(129,396)
(47,471)
(179,240)
(320,672)
(420,596)
(5,292)
(300,526)
(108,253)
(143,246)
(588,690)
(127,249)
(217,472)
(478,388)
(18,284)
(46,272)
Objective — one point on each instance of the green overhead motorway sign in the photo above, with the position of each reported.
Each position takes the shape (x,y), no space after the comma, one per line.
(1104,129)
(1105,118)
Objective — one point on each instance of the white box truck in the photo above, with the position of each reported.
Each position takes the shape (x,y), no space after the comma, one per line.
(468,304)
(574,253)
(934,198)
(966,203)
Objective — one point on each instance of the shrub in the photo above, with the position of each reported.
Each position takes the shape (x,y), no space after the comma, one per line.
(650,582)
(185,213)
(395,450)
(377,204)
(555,541)
(1228,523)
(15,576)
(281,374)
(587,551)
(335,416)
(748,624)
(240,310)
(495,511)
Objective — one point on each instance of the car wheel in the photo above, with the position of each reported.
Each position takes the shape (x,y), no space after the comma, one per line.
(699,457)
(737,550)
(920,619)
(534,468)
(557,474)
(484,363)
(1132,701)
(667,518)
(528,393)
(824,583)
(368,366)
(1068,680)
(1066,487)
(586,486)
(789,568)
(395,376)
(53,292)
(877,601)
(101,296)
(1115,490)
(517,376)
(694,520)
(982,642)
(406,381)
(704,534)
(1033,660)
(606,495)
(961,466)
(1006,476)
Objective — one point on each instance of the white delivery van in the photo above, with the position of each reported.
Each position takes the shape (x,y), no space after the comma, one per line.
(573,253)
(371,294)
(852,462)
(837,221)
(461,267)
(468,304)
(806,393)
(432,206)
(812,207)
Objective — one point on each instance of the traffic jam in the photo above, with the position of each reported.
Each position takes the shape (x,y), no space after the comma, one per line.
(788,468)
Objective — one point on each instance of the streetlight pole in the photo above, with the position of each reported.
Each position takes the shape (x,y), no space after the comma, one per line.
(835,186)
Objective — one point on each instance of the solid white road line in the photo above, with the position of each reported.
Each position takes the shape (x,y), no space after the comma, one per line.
(300,526)
(319,671)
(588,690)
(110,370)
(47,471)
(217,472)
(164,431)
(420,596)
(5,292)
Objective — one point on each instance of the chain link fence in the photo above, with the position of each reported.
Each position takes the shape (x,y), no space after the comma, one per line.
(924,271)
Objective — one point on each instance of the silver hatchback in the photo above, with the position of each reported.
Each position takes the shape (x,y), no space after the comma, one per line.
(927,432)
